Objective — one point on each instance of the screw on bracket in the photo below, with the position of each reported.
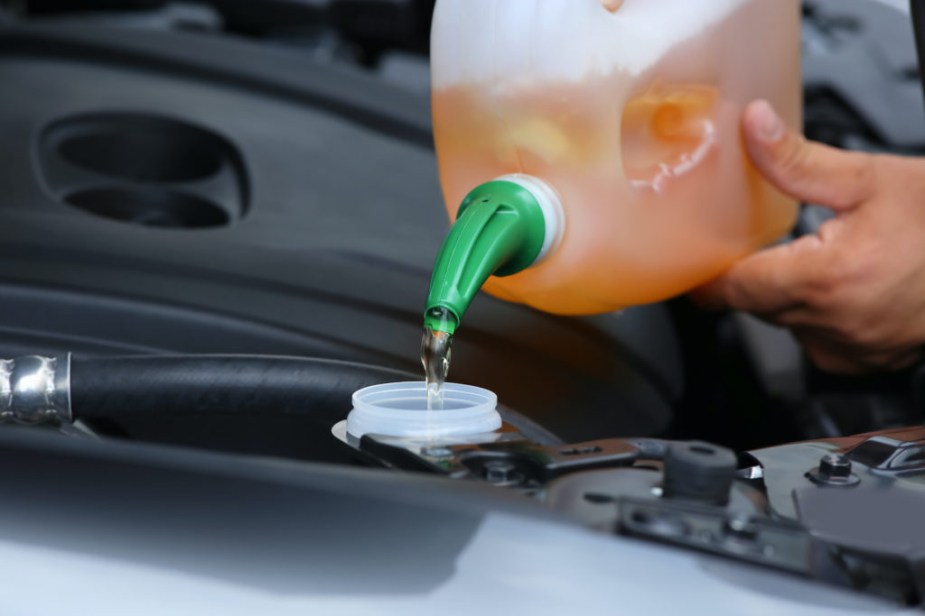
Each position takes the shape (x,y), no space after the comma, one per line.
(833,470)
(502,473)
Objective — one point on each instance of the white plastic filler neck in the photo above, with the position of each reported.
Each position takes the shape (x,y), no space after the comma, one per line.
(400,409)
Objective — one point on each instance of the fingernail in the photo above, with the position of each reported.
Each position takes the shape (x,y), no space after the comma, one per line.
(770,126)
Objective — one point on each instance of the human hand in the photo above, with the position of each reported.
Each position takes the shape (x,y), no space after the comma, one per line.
(612,5)
(853,293)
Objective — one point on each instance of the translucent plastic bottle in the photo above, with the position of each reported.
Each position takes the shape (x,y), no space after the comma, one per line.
(632,117)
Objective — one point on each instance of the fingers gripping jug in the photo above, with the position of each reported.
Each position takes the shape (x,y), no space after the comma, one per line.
(592,159)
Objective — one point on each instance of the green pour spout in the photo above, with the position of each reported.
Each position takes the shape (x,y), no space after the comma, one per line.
(500,230)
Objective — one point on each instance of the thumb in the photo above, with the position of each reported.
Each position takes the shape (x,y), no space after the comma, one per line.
(807,171)
(768,282)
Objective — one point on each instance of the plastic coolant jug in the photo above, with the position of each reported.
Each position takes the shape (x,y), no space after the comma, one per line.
(624,127)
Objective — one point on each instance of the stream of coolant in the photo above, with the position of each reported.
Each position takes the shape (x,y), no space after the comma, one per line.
(435,355)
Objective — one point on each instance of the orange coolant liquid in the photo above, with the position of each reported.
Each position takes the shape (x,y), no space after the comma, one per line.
(633,118)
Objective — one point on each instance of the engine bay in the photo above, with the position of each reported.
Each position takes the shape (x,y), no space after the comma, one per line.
(272,261)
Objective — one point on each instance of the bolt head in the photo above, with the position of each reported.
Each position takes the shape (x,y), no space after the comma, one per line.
(835,466)
(834,470)
(500,471)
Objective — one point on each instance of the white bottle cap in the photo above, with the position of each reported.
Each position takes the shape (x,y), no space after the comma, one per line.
(400,409)
(551,205)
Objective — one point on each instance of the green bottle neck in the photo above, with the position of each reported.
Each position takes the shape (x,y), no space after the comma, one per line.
(502,228)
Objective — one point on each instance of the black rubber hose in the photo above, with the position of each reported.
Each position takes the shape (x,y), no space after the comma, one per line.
(114,387)
(217,384)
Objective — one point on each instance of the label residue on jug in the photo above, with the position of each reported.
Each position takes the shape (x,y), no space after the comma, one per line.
(668,131)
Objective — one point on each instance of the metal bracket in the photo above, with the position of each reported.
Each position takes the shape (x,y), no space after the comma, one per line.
(504,458)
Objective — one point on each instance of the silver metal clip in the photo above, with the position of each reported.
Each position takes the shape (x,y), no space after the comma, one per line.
(36,390)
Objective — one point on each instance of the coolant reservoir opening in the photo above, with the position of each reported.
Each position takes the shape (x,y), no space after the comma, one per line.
(400,409)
